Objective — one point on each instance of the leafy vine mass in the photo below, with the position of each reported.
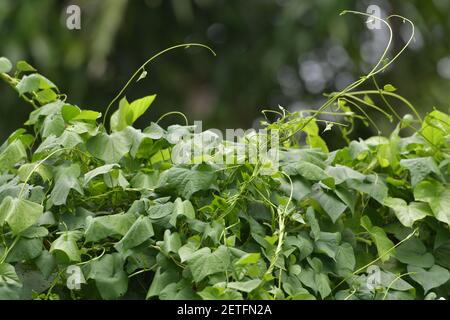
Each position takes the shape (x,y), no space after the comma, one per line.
(106,202)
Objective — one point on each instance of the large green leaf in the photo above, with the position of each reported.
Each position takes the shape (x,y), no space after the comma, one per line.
(52,108)
(36,167)
(10,285)
(140,231)
(12,155)
(98,171)
(34,82)
(171,242)
(245,286)
(345,260)
(317,281)
(19,214)
(219,293)
(182,208)
(109,148)
(65,246)
(330,204)
(392,281)
(25,250)
(431,278)
(66,179)
(128,113)
(203,262)
(160,281)
(187,181)
(420,168)
(110,278)
(437,196)
(105,226)
(407,214)
(342,173)
(414,252)
(373,185)
(435,127)
(328,243)
(385,247)
(307,170)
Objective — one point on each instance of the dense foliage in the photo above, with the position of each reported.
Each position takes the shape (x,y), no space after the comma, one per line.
(75,195)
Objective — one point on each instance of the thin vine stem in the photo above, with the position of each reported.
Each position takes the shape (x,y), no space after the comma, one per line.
(142,68)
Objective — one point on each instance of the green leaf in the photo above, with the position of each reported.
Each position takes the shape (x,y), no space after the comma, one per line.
(105,226)
(345,260)
(171,243)
(52,108)
(303,242)
(187,181)
(219,293)
(317,281)
(429,279)
(314,224)
(373,186)
(389,88)
(109,148)
(313,138)
(36,167)
(122,117)
(13,153)
(69,112)
(182,208)
(73,113)
(23,66)
(66,179)
(10,285)
(385,247)
(20,214)
(330,204)
(249,258)
(65,247)
(87,115)
(420,168)
(437,196)
(34,232)
(98,171)
(129,113)
(139,232)
(53,125)
(25,250)
(34,82)
(347,196)
(414,252)
(407,214)
(5,65)
(323,284)
(160,211)
(390,280)
(46,263)
(343,173)
(46,96)
(307,170)
(328,243)
(139,106)
(436,127)
(245,286)
(204,263)
(110,278)
(358,150)
(160,281)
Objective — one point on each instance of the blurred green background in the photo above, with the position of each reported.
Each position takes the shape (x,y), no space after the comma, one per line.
(270,53)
